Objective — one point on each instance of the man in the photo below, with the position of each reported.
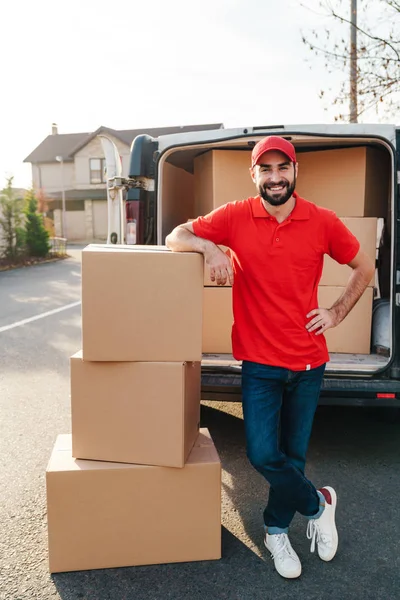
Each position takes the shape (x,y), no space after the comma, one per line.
(277,242)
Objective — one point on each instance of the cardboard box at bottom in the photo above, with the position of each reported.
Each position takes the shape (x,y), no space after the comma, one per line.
(352,336)
(104,514)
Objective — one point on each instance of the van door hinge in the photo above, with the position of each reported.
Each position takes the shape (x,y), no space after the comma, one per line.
(142,183)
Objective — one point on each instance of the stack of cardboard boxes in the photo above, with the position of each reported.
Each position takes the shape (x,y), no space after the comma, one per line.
(353,182)
(137,482)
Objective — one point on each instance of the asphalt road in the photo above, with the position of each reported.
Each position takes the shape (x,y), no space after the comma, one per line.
(351,449)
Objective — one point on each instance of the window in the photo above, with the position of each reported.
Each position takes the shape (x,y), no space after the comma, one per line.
(97,170)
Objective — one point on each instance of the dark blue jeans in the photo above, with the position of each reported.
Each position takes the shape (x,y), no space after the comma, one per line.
(278,409)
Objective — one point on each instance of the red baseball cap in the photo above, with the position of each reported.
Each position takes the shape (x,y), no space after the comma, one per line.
(273,142)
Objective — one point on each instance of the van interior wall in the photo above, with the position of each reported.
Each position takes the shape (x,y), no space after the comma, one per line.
(177,197)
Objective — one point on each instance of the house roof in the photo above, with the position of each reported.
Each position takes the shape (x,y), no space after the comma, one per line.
(67,144)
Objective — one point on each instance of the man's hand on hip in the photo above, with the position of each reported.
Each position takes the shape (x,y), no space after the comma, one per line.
(324,318)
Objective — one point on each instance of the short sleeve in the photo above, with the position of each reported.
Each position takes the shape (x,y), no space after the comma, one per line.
(342,244)
(215,226)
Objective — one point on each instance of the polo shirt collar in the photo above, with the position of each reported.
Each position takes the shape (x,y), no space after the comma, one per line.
(301,211)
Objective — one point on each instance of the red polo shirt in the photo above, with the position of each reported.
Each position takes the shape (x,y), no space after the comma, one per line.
(277,269)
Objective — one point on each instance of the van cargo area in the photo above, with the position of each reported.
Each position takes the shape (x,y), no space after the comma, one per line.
(349,175)
(351,169)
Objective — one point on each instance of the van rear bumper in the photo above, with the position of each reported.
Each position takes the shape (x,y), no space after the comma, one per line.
(340,391)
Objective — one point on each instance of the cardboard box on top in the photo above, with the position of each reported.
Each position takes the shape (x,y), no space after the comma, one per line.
(365,230)
(105,514)
(136,412)
(221,176)
(141,303)
(353,182)
(217,320)
(353,335)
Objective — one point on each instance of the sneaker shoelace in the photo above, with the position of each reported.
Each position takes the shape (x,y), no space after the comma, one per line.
(283,547)
(315,535)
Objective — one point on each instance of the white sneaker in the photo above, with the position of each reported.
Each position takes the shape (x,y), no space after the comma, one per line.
(323,530)
(286,561)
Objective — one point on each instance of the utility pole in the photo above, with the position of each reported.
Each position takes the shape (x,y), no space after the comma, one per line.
(63,215)
(353,62)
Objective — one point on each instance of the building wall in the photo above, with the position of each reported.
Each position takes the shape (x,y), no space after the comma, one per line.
(100,220)
(49,176)
(94,150)
(76,229)
(84,225)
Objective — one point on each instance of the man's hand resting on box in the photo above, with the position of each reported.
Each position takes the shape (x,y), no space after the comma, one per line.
(220,266)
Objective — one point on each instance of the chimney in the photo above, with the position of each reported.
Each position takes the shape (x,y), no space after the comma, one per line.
(54,129)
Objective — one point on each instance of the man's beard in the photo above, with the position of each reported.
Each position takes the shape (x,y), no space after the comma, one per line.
(278,198)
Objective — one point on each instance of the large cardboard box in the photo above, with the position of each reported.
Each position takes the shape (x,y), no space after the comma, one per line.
(365,230)
(221,176)
(136,412)
(353,335)
(141,303)
(217,320)
(353,182)
(105,514)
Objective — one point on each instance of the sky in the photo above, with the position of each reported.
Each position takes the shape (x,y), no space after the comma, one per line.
(128,64)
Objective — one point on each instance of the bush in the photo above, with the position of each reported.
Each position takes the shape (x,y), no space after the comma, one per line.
(11,217)
(36,236)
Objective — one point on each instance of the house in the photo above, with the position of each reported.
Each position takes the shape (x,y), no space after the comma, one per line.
(72,165)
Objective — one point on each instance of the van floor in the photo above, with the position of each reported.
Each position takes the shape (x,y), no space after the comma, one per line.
(366,363)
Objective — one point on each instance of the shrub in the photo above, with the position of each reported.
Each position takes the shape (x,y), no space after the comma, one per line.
(36,235)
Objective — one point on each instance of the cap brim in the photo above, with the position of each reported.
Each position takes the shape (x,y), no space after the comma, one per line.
(277,150)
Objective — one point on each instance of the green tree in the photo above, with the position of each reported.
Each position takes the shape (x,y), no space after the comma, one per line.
(11,221)
(36,235)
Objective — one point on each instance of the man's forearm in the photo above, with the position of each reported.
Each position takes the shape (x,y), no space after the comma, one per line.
(355,288)
(182,240)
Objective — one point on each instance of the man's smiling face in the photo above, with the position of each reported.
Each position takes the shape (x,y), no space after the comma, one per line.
(275,177)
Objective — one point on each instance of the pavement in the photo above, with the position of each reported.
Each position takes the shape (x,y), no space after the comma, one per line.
(352,449)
